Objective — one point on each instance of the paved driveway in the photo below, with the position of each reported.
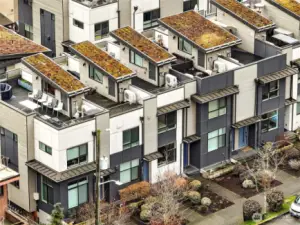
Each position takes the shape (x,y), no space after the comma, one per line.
(286,220)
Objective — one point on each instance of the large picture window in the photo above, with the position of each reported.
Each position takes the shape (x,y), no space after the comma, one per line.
(169,153)
(270,90)
(167,121)
(77,193)
(77,155)
(95,74)
(216,139)
(130,138)
(45,148)
(150,18)
(101,30)
(47,191)
(136,59)
(129,171)
(216,108)
(269,121)
(184,46)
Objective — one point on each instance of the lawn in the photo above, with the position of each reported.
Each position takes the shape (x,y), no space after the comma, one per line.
(271,215)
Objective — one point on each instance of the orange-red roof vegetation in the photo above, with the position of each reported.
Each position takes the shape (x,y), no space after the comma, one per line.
(198,29)
(13,44)
(291,5)
(54,72)
(245,13)
(143,44)
(102,59)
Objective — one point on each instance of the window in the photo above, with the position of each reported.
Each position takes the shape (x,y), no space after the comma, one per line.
(16,184)
(150,18)
(216,108)
(189,5)
(129,171)
(95,74)
(1,190)
(48,88)
(167,121)
(269,121)
(78,24)
(101,30)
(152,71)
(28,31)
(216,139)
(47,191)
(298,78)
(77,193)
(184,46)
(77,155)
(15,137)
(298,104)
(270,90)
(45,148)
(169,153)
(130,138)
(136,59)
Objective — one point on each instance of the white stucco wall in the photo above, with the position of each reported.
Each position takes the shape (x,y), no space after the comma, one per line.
(170,97)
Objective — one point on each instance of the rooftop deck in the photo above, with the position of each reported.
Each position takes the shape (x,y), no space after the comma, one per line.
(95,4)
(291,7)
(243,56)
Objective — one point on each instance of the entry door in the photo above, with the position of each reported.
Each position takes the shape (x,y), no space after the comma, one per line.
(186,155)
(111,87)
(243,137)
(146,171)
(48,30)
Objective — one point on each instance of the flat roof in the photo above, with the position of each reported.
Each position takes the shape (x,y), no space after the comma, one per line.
(103,61)
(47,68)
(244,14)
(291,7)
(142,44)
(199,31)
(13,44)
(7,173)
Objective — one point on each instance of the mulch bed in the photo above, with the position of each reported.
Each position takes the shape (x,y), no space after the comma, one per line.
(233,184)
(218,203)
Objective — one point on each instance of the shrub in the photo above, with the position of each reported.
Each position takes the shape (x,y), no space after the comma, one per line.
(134,206)
(206,201)
(248,184)
(294,164)
(292,153)
(275,200)
(238,169)
(246,175)
(202,208)
(135,191)
(194,197)
(145,215)
(181,183)
(249,208)
(264,177)
(195,185)
(148,206)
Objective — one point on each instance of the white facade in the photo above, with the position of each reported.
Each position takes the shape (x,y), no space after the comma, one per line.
(89,17)
(60,141)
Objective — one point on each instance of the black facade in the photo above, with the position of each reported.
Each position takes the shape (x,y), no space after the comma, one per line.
(9,148)
(25,15)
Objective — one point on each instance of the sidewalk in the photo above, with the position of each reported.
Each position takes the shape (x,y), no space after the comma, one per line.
(233,215)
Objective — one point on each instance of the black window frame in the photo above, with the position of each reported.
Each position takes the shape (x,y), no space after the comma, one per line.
(46,148)
(1,190)
(266,119)
(71,162)
(221,108)
(93,74)
(153,16)
(167,118)
(102,34)
(84,179)
(268,92)
(169,154)
(28,33)
(77,23)
(132,58)
(181,42)
(132,143)
(47,185)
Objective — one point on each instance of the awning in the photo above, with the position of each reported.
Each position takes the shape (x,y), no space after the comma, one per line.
(61,176)
(277,75)
(67,43)
(201,99)
(191,139)
(246,122)
(153,156)
(173,107)
(107,172)
(290,101)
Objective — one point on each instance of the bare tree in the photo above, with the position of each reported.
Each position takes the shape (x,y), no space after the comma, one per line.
(264,168)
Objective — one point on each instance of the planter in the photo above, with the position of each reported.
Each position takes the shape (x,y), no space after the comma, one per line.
(218,172)
(284,148)
(24,84)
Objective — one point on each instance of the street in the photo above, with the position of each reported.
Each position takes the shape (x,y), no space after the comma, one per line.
(286,220)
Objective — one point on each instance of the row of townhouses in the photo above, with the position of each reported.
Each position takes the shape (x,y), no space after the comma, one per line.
(192,92)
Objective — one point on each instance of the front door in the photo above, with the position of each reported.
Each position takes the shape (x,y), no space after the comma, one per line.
(111,87)
(186,155)
(243,137)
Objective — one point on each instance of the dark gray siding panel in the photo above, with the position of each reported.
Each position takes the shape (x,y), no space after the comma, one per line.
(9,149)
(195,154)
(265,50)
(166,137)
(271,65)
(25,16)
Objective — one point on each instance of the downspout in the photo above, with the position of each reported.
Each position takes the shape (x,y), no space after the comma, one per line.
(158,77)
(181,144)
(143,151)
(291,96)
(256,113)
(135,8)
(119,13)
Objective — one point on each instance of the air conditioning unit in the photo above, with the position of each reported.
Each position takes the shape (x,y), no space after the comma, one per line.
(36,196)
(189,75)
(129,96)
(171,81)
(219,66)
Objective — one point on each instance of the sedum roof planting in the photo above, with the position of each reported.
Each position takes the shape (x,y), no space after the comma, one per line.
(107,63)
(12,43)
(291,5)
(196,28)
(245,13)
(143,44)
(54,72)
